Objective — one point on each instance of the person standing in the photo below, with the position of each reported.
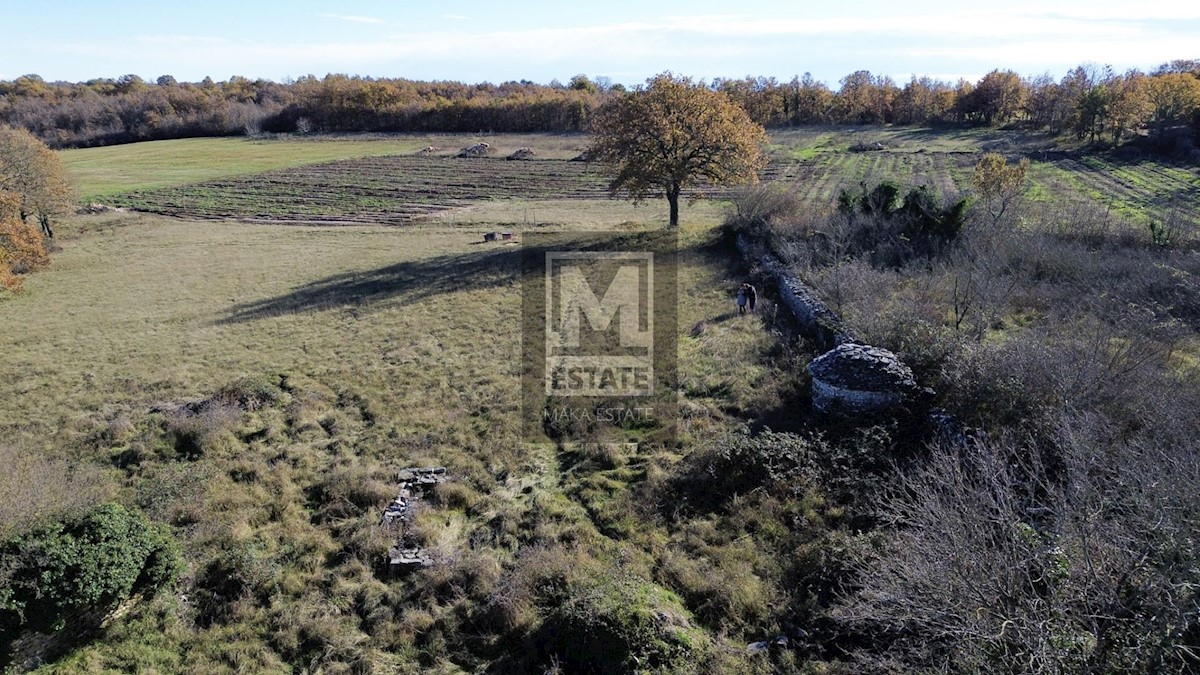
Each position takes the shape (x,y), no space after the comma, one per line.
(751,296)
(741,299)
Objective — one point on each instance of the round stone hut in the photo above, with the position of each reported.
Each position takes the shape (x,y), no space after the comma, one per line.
(856,379)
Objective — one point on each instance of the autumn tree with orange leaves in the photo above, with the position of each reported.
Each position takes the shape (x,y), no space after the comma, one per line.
(671,133)
(35,177)
(21,246)
(34,191)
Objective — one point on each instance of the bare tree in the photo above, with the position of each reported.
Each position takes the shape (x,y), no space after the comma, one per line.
(1012,558)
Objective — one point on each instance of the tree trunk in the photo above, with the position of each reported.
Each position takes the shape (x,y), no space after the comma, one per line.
(673,201)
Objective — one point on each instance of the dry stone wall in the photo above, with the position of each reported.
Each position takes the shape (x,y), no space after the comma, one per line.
(850,377)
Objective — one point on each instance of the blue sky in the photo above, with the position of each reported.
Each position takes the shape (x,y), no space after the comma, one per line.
(476,41)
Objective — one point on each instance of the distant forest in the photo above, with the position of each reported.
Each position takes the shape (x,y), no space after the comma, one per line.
(1093,102)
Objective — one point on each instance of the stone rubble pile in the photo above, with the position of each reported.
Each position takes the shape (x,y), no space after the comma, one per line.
(477,150)
(405,556)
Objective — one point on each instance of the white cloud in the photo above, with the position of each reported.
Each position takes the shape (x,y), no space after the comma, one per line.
(940,26)
(1024,54)
(1029,39)
(353,18)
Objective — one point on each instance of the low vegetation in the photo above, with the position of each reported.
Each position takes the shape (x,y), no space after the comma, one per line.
(1066,335)
(220,419)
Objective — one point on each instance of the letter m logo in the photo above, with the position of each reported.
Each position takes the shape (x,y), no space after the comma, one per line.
(571,297)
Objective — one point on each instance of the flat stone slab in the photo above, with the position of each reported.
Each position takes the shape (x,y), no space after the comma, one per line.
(423,475)
(408,559)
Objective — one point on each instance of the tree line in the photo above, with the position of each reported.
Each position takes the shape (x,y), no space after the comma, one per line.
(130,109)
(34,191)
(1096,103)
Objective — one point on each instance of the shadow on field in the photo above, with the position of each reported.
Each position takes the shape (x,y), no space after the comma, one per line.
(403,282)
(413,280)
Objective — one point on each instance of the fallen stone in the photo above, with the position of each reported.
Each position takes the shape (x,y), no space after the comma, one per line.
(434,474)
(763,646)
(477,150)
(408,559)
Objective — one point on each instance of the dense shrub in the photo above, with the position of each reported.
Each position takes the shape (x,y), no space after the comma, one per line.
(890,228)
(621,623)
(92,562)
(1005,563)
(763,211)
(741,462)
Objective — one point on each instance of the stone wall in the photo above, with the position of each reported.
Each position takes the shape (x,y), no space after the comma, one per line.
(827,397)
(818,323)
(825,328)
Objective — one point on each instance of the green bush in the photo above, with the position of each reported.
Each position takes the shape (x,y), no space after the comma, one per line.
(621,624)
(94,562)
(894,228)
(741,462)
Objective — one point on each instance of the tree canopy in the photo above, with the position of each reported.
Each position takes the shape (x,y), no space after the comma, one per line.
(999,183)
(21,246)
(671,133)
(32,174)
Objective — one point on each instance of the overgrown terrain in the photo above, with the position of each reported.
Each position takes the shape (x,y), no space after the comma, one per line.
(253,388)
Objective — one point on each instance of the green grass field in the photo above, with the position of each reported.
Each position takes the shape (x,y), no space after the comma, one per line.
(105,171)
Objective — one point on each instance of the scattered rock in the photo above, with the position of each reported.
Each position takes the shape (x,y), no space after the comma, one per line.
(780,642)
(953,431)
(422,476)
(477,150)
(867,147)
(96,207)
(399,513)
(522,153)
(405,560)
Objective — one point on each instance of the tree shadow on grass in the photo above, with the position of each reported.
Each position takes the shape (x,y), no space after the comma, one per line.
(402,283)
(413,280)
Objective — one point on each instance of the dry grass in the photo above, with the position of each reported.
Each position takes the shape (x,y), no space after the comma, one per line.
(400,347)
